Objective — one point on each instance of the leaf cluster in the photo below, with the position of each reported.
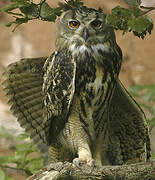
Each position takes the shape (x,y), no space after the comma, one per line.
(28,10)
(120,18)
(23,157)
(129,20)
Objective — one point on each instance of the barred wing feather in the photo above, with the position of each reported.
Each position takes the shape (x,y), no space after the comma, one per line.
(22,84)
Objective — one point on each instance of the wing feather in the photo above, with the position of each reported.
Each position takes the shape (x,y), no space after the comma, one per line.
(22,84)
(58,88)
(129,124)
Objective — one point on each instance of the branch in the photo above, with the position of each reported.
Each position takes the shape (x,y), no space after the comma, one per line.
(147,10)
(66,170)
(17,170)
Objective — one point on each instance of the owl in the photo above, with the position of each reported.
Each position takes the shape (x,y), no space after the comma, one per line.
(72,103)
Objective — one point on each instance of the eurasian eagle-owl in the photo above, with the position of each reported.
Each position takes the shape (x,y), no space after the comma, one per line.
(72,103)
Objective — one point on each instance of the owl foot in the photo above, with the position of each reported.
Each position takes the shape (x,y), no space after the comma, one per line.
(78,162)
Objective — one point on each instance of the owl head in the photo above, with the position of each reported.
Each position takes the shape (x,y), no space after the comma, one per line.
(83,29)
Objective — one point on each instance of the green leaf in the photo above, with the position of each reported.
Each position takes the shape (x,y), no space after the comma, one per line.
(135,90)
(151,24)
(18,22)
(139,24)
(35,165)
(149,93)
(9,159)
(10,23)
(16,14)
(15,6)
(119,18)
(153,156)
(25,148)
(22,136)
(122,12)
(133,2)
(57,11)
(2,175)
(135,11)
(21,20)
(30,11)
(9,178)
(71,4)
(22,157)
(47,13)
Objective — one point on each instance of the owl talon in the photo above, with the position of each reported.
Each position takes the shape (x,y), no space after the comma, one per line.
(92,163)
(76,162)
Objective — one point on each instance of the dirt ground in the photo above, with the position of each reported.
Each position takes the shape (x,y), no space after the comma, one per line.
(36,38)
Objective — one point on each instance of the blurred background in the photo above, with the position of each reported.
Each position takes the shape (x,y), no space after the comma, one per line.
(36,38)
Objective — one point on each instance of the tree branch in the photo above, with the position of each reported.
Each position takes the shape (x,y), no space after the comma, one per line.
(67,171)
(147,10)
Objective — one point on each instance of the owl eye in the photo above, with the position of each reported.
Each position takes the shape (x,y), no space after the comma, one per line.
(74,24)
(96,23)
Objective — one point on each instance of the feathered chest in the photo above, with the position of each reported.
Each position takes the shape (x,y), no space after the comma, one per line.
(94,87)
(91,75)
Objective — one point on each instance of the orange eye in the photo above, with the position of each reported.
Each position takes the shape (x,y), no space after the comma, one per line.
(74,24)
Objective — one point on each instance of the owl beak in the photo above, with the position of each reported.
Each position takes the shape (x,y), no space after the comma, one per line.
(85,34)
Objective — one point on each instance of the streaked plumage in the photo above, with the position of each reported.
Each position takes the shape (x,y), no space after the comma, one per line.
(73,103)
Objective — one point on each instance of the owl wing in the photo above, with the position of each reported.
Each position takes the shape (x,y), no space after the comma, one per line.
(58,91)
(22,84)
(129,125)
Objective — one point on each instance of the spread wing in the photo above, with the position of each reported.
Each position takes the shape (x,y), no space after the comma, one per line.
(58,91)
(22,84)
(129,125)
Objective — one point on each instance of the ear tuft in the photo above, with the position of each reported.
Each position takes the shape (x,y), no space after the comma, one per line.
(66,14)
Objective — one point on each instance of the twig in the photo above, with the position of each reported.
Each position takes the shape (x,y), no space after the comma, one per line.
(148,10)
(26,171)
